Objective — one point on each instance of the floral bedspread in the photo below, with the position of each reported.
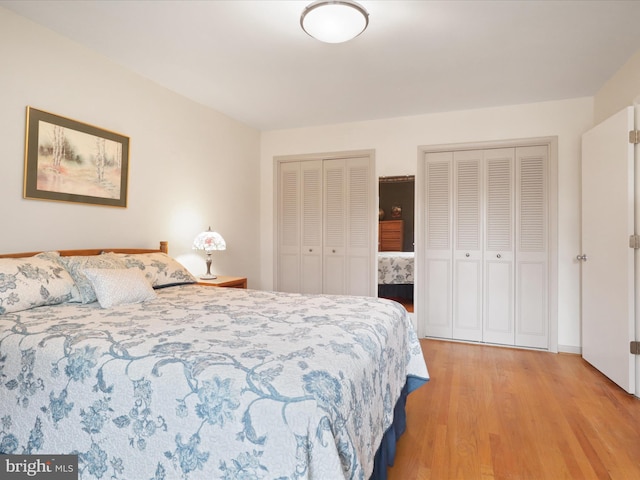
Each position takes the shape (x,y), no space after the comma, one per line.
(395,268)
(206,383)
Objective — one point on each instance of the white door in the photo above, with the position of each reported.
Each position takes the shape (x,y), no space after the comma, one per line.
(311,226)
(289,227)
(334,272)
(438,259)
(499,308)
(358,215)
(467,245)
(532,253)
(608,271)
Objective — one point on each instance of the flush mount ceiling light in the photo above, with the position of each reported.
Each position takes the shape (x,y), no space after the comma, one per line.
(334,21)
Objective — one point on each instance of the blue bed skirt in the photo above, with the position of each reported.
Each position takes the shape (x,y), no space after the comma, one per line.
(386,453)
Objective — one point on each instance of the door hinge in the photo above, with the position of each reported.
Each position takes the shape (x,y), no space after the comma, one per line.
(635,348)
(634,136)
(634,241)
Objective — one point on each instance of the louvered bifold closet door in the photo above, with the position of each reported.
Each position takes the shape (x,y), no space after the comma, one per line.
(358,212)
(467,240)
(334,250)
(532,303)
(438,258)
(498,269)
(289,227)
(311,218)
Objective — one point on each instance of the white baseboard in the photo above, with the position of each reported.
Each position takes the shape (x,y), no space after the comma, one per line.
(569,349)
(561,348)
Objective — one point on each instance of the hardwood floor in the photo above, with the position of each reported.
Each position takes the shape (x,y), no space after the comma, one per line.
(405,302)
(500,413)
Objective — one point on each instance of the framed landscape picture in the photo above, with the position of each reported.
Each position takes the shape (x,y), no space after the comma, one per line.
(71,161)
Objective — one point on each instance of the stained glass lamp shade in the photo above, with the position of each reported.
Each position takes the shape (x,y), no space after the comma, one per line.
(209,242)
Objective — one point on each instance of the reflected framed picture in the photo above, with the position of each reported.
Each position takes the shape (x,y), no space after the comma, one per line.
(70,161)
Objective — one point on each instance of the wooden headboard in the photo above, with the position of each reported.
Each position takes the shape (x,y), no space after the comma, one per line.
(164,247)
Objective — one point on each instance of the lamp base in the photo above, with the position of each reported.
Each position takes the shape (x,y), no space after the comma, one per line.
(208,275)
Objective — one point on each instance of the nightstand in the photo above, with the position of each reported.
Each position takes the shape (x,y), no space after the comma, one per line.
(224,281)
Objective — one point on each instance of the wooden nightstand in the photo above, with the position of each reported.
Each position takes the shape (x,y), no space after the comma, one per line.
(224,281)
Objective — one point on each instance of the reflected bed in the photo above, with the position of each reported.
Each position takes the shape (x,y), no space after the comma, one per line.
(395,275)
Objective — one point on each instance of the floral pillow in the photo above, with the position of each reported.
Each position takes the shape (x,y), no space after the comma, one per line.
(76,265)
(160,269)
(31,282)
(119,286)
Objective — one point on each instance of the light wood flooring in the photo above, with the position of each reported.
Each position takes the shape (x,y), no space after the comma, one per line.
(500,413)
(405,302)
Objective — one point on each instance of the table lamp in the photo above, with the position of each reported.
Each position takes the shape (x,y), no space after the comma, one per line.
(209,241)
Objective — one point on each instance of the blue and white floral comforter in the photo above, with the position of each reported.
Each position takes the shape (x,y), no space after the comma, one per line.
(395,268)
(206,383)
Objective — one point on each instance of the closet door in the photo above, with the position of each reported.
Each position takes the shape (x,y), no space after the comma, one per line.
(499,247)
(467,250)
(334,251)
(347,223)
(311,226)
(532,303)
(359,218)
(438,257)
(289,227)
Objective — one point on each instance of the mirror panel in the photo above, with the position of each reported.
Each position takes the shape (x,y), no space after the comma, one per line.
(396,239)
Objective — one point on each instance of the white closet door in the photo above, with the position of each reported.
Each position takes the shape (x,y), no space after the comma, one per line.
(289,228)
(311,219)
(438,257)
(358,217)
(499,248)
(467,252)
(334,269)
(532,303)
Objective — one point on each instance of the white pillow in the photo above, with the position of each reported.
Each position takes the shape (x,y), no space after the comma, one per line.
(32,281)
(76,265)
(119,286)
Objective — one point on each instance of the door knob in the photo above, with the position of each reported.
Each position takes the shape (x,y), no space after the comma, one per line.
(466,255)
(582,257)
(499,256)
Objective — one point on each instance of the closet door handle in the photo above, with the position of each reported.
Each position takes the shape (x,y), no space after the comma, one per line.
(310,250)
(499,256)
(466,255)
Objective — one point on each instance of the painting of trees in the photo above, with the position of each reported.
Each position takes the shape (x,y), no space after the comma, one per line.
(69,159)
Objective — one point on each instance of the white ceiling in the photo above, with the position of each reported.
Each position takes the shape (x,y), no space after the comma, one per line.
(252,61)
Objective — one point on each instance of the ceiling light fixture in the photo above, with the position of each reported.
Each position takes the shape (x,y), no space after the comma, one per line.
(334,21)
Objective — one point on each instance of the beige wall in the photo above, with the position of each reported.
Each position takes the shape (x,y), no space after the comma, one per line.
(396,144)
(190,167)
(621,90)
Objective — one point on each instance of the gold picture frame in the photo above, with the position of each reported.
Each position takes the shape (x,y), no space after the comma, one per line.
(70,161)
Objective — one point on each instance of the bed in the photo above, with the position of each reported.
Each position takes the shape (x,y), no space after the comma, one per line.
(395,274)
(121,358)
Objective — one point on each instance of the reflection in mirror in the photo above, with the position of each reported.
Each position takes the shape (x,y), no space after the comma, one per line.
(396,239)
